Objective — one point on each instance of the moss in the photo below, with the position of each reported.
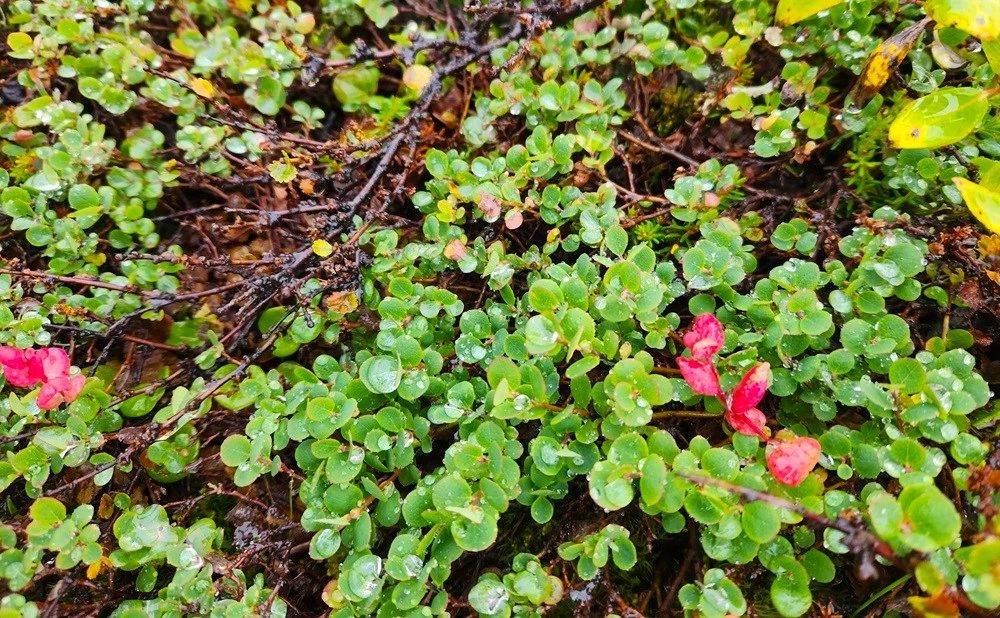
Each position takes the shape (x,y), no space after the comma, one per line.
(669,108)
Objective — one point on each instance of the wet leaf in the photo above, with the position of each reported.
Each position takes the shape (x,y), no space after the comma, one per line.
(203,88)
(992,51)
(883,61)
(700,376)
(417,77)
(322,248)
(983,203)
(751,389)
(793,11)
(705,337)
(938,606)
(980,18)
(939,119)
(791,462)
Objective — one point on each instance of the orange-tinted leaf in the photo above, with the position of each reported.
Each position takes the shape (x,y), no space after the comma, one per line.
(455,250)
(937,606)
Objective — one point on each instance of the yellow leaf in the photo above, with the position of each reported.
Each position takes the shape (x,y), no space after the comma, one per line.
(983,203)
(884,60)
(980,18)
(305,24)
(203,88)
(97,259)
(417,77)
(793,11)
(95,569)
(322,248)
(943,117)
(992,51)
(107,507)
(342,302)
(455,250)
(18,41)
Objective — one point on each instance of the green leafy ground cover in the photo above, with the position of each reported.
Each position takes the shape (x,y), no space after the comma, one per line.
(379,307)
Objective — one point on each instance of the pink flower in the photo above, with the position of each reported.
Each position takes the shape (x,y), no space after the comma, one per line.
(59,390)
(705,338)
(20,367)
(750,423)
(751,389)
(791,462)
(700,376)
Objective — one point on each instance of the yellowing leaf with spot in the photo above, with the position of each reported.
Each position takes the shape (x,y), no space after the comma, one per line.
(884,60)
(322,248)
(939,119)
(417,77)
(793,11)
(980,18)
(983,203)
(203,88)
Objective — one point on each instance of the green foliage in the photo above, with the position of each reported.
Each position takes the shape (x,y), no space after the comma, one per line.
(396,371)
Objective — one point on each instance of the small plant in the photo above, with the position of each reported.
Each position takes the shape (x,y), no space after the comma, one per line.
(789,461)
(361,308)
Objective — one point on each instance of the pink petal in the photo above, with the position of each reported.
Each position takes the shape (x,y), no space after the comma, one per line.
(19,367)
(700,376)
(751,389)
(750,423)
(791,462)
(52,362)
(705,337)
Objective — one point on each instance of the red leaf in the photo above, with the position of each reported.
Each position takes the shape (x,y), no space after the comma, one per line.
(705,337)
(26,368)
(20,367)
(52,362)
(751,389)
(455,250)
(59,390)
(750,423)
(513,219)
(791,462)
(490,205)
(700,376)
